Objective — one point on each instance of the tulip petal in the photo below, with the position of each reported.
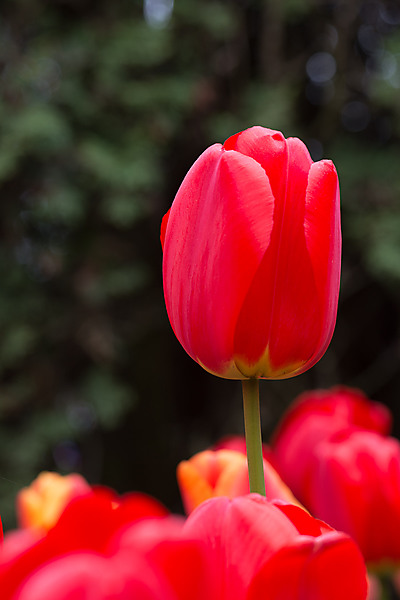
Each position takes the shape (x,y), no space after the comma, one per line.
(302,520)
(281,308)
(358,474)
(224,473)
(323,239)
(270,149)
(217,233)
(90,576)
(41,504)
(193,486)
(227,527)
(291,305)
(164,224)
(329,568)
(311,422)
(178,560)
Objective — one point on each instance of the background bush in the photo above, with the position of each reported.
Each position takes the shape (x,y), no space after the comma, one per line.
(104,106)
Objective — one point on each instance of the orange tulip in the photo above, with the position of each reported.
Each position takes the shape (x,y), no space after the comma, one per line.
(40,505)
(213,473)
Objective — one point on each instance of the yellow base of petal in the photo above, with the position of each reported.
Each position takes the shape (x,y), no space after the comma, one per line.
(239,368)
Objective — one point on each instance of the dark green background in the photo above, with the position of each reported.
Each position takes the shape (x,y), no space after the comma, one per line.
(103,109)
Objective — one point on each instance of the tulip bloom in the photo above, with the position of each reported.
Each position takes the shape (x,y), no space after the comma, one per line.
(313,418)
(333,449)
(105,547)
(41,504)
(277,551)
(251,264)
(356,488)
(213,473)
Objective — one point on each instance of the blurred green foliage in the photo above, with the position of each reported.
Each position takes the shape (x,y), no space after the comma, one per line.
(103,107)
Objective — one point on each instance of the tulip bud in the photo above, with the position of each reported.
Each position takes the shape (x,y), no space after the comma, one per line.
(277,551)
(214,473)
(251,264)
(334,450)
(40,505)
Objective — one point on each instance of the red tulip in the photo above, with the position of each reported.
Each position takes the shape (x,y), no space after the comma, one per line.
(334,451)
(108,548)
(251,264)
(76,556)
(356,488)
(264,549)
(312,419)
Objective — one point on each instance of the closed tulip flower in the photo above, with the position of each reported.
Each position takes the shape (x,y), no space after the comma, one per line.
(334,450)
(41,504)
(314,418)
(356,488)
(224,472)
(251,263)
(277,551)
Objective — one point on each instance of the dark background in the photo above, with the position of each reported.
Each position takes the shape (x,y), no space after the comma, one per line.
(104,106)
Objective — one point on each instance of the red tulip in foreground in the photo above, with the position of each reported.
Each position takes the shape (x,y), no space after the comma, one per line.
(251,264)
(268,550)
(109,548)
(333,449)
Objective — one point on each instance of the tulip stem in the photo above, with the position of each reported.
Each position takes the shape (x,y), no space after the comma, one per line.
(252,426)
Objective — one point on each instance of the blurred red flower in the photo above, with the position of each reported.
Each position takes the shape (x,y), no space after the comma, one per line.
(251,264)
(104,547)
(332,448)
(273,550)
(109,548)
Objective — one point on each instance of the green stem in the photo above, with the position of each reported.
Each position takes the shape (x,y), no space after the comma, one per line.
(252,426)
(387,589)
